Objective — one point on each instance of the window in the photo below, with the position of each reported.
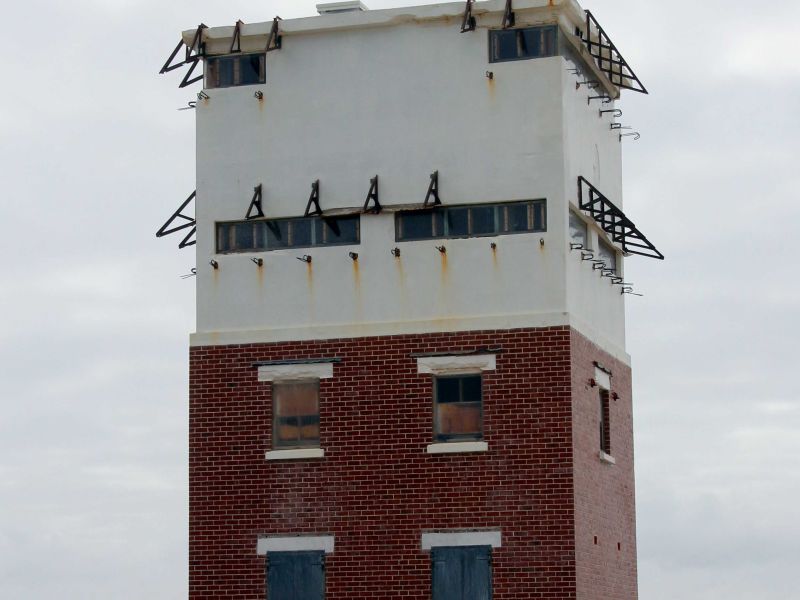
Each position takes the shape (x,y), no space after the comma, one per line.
(458,408)
(296,575)
(462,573)
(521,44)
(295,414)
(608,255)
(578,230)
(471,221)
(237,69)
(275,234)
(605,422)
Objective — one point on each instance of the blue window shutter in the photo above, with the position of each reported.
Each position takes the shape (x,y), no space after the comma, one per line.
(296,576)
(462,573)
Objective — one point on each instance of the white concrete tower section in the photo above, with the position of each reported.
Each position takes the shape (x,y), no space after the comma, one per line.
(400,94)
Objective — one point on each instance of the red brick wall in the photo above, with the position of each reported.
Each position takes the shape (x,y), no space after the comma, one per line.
(604,493)
(376,490)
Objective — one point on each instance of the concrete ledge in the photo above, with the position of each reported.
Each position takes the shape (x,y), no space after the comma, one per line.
(606,458)
(456,447)
(295,454)
(297,543)
(461,538)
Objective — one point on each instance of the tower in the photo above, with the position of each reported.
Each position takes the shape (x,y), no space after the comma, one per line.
(409,376)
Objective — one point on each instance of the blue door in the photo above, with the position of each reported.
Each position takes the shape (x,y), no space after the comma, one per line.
(462,573)
(296,576)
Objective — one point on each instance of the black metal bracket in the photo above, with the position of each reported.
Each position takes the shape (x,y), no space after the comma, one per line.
(616,112)
(373,195)
(275,39)
(236,42)
(433,190)
(608,58)
(170,227)
(194,52)
(509,19)
(613,221)
(469,23)
(255,204)
(313,199)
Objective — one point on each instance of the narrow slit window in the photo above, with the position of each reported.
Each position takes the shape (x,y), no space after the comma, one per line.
(471,220)
(605,422)
(522,44)
(275,234)
(234,70)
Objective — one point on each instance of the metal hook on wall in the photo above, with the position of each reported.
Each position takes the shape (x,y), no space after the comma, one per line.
(591,83)
(616,112)
(620,126)
(203,96)
(605,98)
(189,105)
(574,246)
(636,135)
(587,255)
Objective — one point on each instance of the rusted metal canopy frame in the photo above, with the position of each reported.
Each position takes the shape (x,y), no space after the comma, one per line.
(509,18)
(608,58)
(313,199)
(275,39)
(236,42)
(168,228)
(433,191)
(194,52)
(255,204)
(373,195)
(613,221)
(469,23)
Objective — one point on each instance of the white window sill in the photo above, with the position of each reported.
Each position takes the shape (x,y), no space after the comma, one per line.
(606,458)
(455,447)
(295,454)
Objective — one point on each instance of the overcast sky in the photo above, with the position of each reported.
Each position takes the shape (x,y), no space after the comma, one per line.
(95,319)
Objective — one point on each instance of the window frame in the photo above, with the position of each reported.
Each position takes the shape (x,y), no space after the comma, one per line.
(265,223)
(236,60)
(551,27)
(439,438)
(533,205)
(604,397)
(301,445)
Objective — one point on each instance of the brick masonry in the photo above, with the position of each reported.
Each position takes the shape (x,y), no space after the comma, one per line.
(377,491)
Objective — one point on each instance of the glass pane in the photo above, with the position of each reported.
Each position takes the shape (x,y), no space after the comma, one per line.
(504,45)
(300,232)
(539,217)
(296,413)
(343,230)
(277,234)
(225,69)
(244,236)
(457,221)
(482,220)
(517,217)
(448,389)
(578,231)
(608,255)
(250,69)
(416,225)
(459,419)
(471,388)
(222,237)
(549,40)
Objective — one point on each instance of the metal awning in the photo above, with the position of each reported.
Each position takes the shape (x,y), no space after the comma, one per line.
(608,58)
(613,221)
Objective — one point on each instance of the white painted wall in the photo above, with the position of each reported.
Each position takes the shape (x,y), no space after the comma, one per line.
(400,101)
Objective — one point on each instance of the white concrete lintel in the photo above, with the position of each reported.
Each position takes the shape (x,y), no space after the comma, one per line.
(602,378)
(295,372)
(295,454)
(473,363)
(462,538)
(457,447)
(299,543)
